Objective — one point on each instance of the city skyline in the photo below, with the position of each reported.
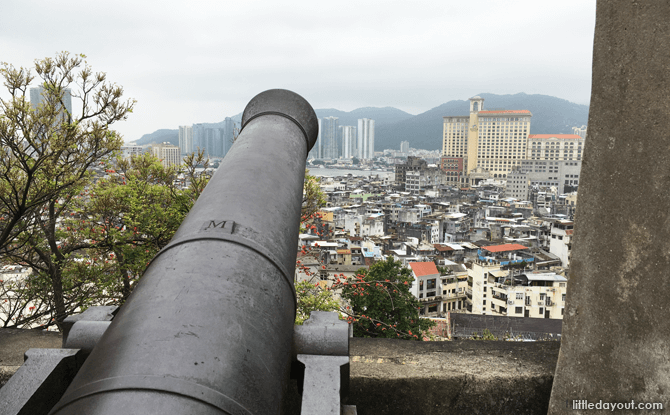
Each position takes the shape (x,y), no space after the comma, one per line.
(183,66)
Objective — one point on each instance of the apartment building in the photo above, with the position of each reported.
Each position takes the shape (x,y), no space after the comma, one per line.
(167,153)
(534,294)
(490,262)
(437,293)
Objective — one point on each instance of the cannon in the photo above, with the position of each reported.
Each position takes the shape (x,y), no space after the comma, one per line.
(209,328)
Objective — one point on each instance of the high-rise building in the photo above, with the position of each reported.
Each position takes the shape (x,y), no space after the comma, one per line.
(366,138)
(229,133)
(348,139)
(404,147)
(210,139)
(37,97)
(185,139)
(494,141)
(329,138)
(315,152)
(580,131)
(167,153)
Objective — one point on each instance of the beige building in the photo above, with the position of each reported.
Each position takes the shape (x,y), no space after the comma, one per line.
(130,151)
(167,153)
(558,147)
(437,293)
(532,294)
(496,141)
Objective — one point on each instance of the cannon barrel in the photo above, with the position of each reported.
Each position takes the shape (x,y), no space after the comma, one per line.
(208,330)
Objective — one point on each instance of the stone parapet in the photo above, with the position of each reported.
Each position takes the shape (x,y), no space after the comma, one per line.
(405,377)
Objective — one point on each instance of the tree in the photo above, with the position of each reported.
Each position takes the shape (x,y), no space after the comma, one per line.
(313,199)
(107,235)
(138,211)
(47,150)
(313,298)
(380,304)
(355,161)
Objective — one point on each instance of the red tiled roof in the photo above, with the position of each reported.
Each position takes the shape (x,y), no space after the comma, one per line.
(343,251)
(505,112)
(569,231)
(443,248)
(553,136)
(423,268)
(504,248)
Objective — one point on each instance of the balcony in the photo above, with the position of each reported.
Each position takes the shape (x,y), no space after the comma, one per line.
(430,299)
(468,293)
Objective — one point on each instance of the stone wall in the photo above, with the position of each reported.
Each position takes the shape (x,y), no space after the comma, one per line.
(404,377)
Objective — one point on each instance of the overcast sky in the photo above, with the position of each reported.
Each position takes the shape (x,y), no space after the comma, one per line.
(200,61)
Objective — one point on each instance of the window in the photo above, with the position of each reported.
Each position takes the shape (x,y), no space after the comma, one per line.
(519,296)
(541,310)
(484,302)
(518,310)
(432,308)
(542,296)
(420,295)
(563,298)
(431,284)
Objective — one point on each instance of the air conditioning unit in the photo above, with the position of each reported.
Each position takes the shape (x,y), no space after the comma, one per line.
(510,302)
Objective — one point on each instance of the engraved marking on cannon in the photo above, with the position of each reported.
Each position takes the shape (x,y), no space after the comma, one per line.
(227,226)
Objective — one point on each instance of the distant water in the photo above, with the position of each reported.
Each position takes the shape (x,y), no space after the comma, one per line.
(325,172)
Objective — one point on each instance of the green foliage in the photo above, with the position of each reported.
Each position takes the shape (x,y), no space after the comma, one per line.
(355,161)
(46,151)
(486,335)
(313,298)
(313,199)
(381,305)
(444,270)
(108,233)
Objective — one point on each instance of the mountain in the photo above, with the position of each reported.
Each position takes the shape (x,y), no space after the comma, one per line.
(160,136)
(382,116)
(551,115)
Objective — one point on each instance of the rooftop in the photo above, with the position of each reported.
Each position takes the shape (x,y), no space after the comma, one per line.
(572,136)
(505,112)
(423,268)
(504,248)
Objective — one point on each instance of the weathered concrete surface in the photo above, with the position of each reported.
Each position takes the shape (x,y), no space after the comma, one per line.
(460,377)
(403,377)
(14,343)
(616,331)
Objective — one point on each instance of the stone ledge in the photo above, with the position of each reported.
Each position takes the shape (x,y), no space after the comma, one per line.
(403,377)
(15,342)
(400,377)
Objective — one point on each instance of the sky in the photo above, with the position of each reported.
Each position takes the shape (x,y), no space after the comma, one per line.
(201,61)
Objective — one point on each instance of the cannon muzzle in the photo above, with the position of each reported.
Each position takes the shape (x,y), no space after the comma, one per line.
(208,329)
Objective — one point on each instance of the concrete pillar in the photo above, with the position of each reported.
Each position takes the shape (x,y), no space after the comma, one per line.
(616,330)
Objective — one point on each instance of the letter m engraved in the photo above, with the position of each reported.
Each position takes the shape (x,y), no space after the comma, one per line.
(227,226)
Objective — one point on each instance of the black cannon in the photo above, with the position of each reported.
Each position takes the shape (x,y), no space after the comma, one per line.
(209,329)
